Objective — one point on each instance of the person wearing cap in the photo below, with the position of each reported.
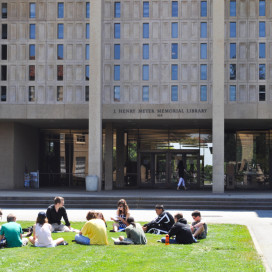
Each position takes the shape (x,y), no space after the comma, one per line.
(12,232)
(162,223)
(55,213)
(42,233)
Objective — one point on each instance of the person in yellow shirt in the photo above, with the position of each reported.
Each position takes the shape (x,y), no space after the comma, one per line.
(93,232)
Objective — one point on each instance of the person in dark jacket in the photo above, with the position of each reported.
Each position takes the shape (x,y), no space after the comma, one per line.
(181,230)
(162,223)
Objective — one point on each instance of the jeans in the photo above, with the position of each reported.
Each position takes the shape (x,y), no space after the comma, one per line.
(80,239)
(171,241)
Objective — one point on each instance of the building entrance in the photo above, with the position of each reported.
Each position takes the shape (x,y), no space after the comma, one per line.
(158,169)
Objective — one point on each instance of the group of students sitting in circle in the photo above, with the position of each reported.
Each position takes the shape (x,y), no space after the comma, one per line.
(94,231)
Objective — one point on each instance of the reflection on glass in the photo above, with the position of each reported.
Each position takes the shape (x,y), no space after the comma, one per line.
(174,50)
(232,29)
(232,7)
(203,93)
(261,71)
(174,30)
(203,30)
(232,93)
(232,71)
(262,50)
(233,51)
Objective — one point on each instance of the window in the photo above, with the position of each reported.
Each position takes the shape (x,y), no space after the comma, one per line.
(60,51)
(3,72)
(59,93)
(261,7)
(60,31)
(146,30)
(32,50)
(232,7)
(203,72)
(60,72)
(145,9)
(87,52)
(87,31)
(80,166)
(174,30)
(4,52)
(232,29)
(87,72)
(203,30)
(145,72)
(232,93)
(262,93)
(174,50)
(145,93)
(31,72)
(232,71)
(32,10)
(203,93)
(203,51)
(117,9)
(261,29)
(116,72)
(203,9)
(117,31)
(61,10)
(174,72)
(116,94)
(31,93)
(4,10)
(174,8)
(261,71)
(4,31)
(262,50)
(3,93)
(232,50)
(174,93)
(88,10)
(117,51)
(145,51)
(86,93)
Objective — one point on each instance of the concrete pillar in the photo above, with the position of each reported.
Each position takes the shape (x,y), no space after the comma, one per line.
(120,159)
(218,96)
(108,157)
(95,103)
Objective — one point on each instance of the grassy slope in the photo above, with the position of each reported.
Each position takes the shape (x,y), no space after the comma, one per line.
(227,248)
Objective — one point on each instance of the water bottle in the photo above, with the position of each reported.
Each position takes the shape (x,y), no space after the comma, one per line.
(167,240)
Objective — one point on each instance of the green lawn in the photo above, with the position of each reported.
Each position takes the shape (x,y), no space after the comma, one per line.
(227,248)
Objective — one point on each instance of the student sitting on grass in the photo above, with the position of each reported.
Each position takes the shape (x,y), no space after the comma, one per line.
(93,232)
(12,232)
(135,234)
(199,228)
(42,233)
(122,214)
(1,216)
(181,230)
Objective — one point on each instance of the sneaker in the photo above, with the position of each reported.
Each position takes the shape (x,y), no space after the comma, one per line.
(158,241)
(64,243)
(112,230)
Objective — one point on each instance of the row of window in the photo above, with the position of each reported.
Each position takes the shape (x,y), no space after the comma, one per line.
(174,9)
(32,72)
(32,96)
(232,72)
(233,94)
(233,32)
(32,10)
(232,8)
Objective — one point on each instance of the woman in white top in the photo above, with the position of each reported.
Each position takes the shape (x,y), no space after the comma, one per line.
(42,233)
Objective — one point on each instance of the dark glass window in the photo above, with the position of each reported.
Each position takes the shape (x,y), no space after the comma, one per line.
(203,9)
(232,30)
(174,72)
(4,52)
(203,30)
(88,11)
(145,93)
(232,71)
(232,7)
(60,31)
(232,93)
(32,10)
(117,51)
(116,93)
(145,75)
(3,93)
(31,93)
(87,72)
(233,51)
(117,31)
(262,93)
(261,71)
(174,30)
(31,72)
(86,93)
(145,51)
(60,10)
(32,52)
(261,7)
(3,72)
(145,9)
(87,31)
(146,30)
(174,8)
(174,50)
(203,93)
(203,72)
(32,31)
(261,29)
(4,31)
(262,50)
(174,93)
(4,10)
(117,9)
(60,51)
(59,72)
(116,72)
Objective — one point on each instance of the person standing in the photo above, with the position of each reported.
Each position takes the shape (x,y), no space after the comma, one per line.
(181,170)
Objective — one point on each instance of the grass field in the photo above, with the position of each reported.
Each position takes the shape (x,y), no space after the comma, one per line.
(227,248)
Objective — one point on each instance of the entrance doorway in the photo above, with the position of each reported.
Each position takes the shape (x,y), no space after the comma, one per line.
(157,169)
